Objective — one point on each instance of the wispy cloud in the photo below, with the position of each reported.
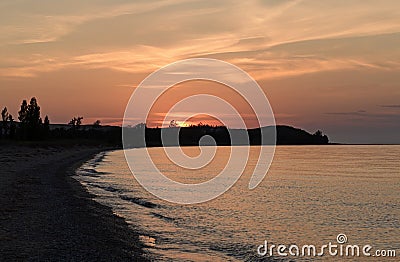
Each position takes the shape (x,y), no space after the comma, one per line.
(360,115)
(33,28)
(270,39)
(390,106)
(352,113)
(309,56)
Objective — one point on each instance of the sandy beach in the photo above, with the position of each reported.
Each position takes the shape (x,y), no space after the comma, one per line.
(47,215)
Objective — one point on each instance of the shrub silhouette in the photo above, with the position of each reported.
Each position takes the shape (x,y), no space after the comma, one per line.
(31,124)
(4,128)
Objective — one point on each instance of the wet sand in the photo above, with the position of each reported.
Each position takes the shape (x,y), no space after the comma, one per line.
(47,215)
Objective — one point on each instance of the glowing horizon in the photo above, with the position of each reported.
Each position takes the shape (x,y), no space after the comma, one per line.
(331,65)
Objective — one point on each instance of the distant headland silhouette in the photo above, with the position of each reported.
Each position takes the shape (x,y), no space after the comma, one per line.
(31,127)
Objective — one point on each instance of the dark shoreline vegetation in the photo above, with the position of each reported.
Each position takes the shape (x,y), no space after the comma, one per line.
(31,129)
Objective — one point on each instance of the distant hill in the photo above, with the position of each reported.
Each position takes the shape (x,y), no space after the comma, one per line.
(31,127)
(174,136)
(288,135)
(190,136)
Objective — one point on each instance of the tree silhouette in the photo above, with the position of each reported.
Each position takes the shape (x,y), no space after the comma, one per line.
(97,123)
(46,126)
(33,113)
(321,138)
(4,114)
(22,113)
(22,117)
(4,125)
(173,124)
(13,128)
(79,121)
(31,124)
(76,122)
(33,119)
(318,133)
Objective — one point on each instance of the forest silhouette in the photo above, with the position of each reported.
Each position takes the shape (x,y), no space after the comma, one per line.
(31,127)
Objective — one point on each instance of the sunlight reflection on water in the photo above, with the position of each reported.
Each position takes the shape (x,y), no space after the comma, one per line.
(310,194)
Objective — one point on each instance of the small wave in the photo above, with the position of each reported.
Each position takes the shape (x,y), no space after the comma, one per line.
(89,167)
(106,188)
(165,218)
(90,172)
(147,240)
(240,251)
(94,162)
(139,201)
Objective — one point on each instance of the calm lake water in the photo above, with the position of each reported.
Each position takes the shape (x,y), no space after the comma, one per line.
(309,196)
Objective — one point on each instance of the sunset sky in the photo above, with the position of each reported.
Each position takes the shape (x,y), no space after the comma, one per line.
(329,65)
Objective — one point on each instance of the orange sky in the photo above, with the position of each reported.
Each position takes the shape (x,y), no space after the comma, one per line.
(330,65)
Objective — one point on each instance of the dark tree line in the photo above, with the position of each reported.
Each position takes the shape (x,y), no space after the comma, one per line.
(143,136)
(30,125)
(8,127)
